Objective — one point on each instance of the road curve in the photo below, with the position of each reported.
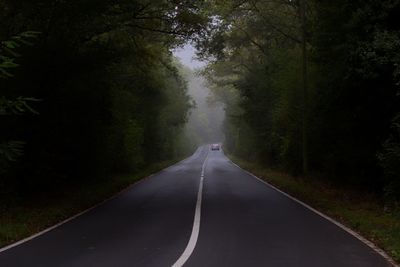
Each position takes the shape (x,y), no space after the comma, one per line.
(243,222)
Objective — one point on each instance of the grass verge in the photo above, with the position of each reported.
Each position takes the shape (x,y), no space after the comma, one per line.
(25,219)
(363,213)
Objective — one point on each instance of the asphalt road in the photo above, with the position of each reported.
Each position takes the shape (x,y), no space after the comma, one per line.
(243,222)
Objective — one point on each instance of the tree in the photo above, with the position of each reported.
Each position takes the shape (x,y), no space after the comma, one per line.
(344,53)
(106,76)
(252,37)
(10,150)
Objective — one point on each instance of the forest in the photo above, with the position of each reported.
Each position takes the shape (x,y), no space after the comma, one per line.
(311,87)
(90,89)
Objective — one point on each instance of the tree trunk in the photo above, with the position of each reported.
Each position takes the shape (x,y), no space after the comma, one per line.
(305,87)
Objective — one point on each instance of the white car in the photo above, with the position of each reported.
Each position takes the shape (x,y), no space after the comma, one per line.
(215,147)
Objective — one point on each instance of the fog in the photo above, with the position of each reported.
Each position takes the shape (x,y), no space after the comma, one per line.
(205,121)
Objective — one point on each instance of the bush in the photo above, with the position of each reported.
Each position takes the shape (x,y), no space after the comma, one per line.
(390,161)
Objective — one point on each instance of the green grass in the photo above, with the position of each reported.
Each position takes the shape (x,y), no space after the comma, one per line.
(364,213)
(25,219)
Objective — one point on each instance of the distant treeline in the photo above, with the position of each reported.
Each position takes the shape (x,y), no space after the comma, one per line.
(89,88)
(335,113)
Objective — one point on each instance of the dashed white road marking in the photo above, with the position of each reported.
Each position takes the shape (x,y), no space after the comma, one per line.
(196,223)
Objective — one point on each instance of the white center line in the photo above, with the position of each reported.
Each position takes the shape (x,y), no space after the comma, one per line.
(196,223)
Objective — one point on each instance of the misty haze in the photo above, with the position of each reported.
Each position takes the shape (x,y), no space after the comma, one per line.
(206,118)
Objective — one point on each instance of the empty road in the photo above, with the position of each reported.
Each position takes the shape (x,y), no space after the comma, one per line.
(203,211)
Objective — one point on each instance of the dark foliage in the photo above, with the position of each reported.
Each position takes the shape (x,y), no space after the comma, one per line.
(351,97)
(112,99)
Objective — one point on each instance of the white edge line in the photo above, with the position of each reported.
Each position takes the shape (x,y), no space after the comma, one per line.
(87,210)
(196,223)
(338,224)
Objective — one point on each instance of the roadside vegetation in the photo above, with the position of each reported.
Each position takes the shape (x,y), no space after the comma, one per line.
(311,87)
